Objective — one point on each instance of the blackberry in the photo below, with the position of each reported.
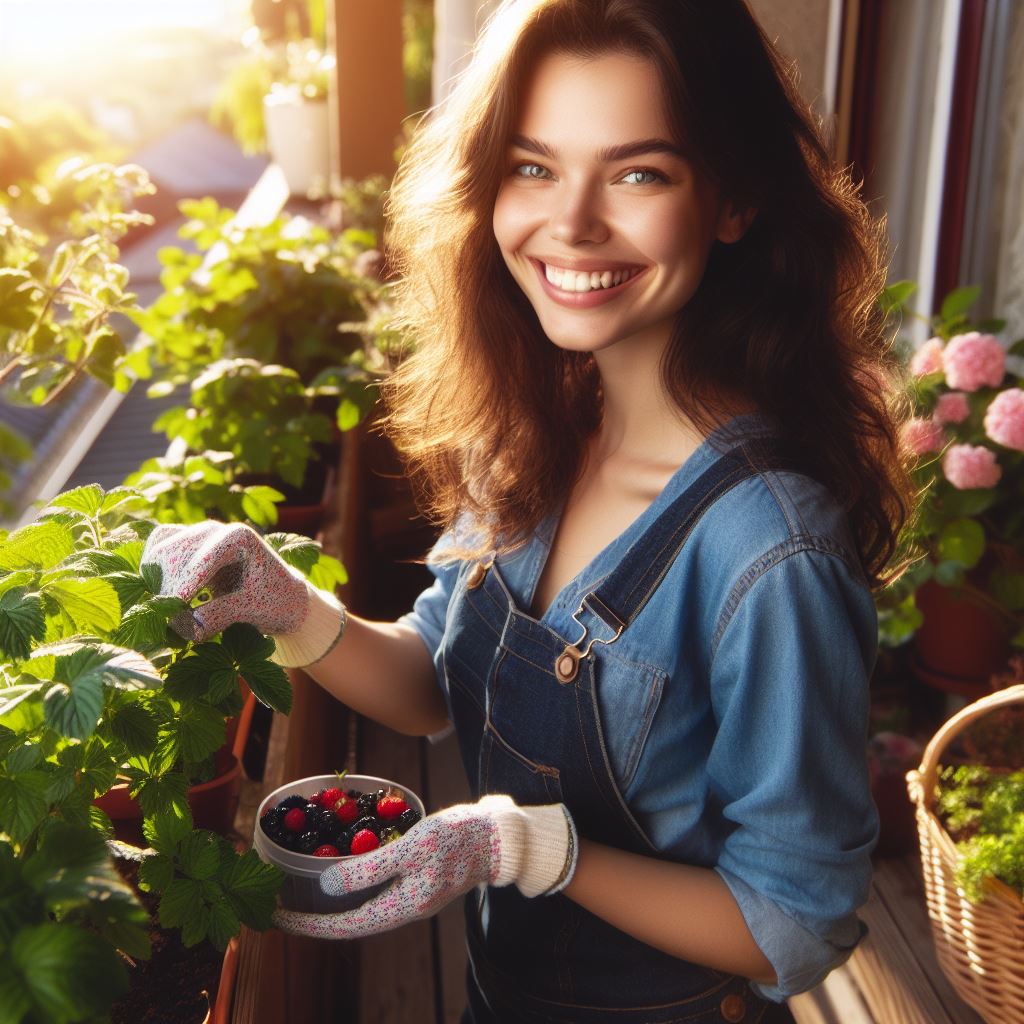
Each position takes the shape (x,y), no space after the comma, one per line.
(367,803)
(407,819)
(330,828)
(293,801)
(271,822)
(308,842)
(315,814)
(370,822)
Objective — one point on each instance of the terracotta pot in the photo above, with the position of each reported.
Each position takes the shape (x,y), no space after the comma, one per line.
(224,1002)
(960,644)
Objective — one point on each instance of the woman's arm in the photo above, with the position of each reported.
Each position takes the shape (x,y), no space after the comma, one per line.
(685,911)
(384,671)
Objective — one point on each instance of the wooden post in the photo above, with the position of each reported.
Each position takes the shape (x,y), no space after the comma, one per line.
(368,101)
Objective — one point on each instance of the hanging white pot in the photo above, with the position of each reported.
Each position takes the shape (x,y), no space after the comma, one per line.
(297,137)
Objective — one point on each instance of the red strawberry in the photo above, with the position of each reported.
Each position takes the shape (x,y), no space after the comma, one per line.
(326,851)
(391,807)
(345,808)
(318,798)
(364,841)
(329,797)
(295,819)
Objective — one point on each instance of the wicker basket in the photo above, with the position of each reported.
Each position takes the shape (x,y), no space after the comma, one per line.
(980,947)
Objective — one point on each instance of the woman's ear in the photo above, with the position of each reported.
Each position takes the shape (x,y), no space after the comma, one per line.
(733,221)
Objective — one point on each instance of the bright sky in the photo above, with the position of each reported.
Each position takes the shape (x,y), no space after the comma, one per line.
(53,29)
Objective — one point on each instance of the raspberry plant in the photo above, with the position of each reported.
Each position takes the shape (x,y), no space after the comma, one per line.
(95,686)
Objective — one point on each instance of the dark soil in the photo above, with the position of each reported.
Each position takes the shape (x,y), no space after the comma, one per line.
(176,985)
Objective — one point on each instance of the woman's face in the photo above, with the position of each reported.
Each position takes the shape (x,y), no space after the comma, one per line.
(602,221)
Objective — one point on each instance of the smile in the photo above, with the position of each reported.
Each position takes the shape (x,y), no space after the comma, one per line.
(583,281)
(585,287)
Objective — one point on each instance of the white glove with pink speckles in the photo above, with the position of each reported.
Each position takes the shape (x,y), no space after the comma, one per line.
(493,841)
(230,574)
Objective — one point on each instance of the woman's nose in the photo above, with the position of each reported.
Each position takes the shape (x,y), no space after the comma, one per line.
(576,216)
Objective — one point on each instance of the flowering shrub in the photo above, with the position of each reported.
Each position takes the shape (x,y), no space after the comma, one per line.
(967,437)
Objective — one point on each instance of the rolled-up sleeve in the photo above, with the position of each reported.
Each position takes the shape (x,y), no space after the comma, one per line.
(789,687)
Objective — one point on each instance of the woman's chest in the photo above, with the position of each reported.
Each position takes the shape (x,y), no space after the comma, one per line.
(601,507)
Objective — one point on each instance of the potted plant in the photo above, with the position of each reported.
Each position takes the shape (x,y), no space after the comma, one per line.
(277,337)
(971,833)
(93,686)
(963,599)
(275,100)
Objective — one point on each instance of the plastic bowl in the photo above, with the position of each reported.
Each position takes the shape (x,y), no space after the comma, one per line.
(301,889)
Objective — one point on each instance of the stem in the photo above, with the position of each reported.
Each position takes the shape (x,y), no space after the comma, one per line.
(6,371)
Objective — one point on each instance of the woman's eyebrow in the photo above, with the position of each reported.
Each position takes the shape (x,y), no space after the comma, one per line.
(624,151)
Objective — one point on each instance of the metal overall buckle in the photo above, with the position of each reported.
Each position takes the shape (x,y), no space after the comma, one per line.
(567,664)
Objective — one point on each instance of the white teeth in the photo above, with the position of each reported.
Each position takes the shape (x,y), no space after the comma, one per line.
(579,281)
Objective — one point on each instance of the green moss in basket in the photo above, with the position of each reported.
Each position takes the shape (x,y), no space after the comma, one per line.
(983,811)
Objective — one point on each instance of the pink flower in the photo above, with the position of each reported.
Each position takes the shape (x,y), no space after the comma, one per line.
(968,465)
(1004,421)
(973,360)
(952,408)
(927,359)
(922,436)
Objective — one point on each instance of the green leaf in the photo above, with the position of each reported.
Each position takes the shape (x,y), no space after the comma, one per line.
(165,793)
(92,604)
(180,900)
(224,924)
(130,587)
(199,854)
(22,621)
(895,295)
(165,831)
(259,504)
(208,671)
(153,576)
(251,887)
(959,301)
(328,573)
(156,873)
(200,731)
(242,641)
(348,415)
(68,973)
(17,307)
(270,684)
(135,726)
(145,625)
(87,499)
(66,857)
(296,550)
(74,703)
(963,542)
(36,546)
(23,803)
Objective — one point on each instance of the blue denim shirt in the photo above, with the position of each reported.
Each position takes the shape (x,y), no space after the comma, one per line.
(743,747)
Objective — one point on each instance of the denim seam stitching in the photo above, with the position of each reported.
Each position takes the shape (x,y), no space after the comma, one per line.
(792,546)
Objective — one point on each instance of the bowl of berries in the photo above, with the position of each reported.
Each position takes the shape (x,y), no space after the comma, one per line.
(308,825)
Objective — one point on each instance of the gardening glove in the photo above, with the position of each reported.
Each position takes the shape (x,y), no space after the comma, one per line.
(230,574)
(493,841)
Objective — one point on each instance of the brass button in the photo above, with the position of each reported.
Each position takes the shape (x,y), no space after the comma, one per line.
(565,668)
(476,576)
(733,1008)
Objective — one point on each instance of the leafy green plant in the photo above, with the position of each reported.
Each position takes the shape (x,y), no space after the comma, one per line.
(983,810)
(967,435)
(288,293)
(95,688)
(58,296)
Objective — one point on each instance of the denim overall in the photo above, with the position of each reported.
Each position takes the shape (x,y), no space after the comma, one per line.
(525,710)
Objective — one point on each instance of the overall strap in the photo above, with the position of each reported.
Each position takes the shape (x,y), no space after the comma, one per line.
(621,596)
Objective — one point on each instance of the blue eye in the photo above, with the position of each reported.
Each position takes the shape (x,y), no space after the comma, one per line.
(642,176)
(530,171)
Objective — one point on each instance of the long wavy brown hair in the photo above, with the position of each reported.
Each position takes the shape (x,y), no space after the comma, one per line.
(492,418)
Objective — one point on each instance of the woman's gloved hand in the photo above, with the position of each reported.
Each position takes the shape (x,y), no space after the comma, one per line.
(493,841)
(228,573)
